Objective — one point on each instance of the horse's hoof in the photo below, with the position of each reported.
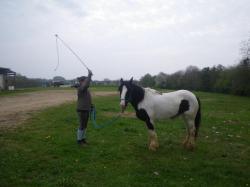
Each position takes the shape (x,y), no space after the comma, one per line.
(152,148)
(185,142)
(190,147)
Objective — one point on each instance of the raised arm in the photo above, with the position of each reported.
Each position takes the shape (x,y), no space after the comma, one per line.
(85,84)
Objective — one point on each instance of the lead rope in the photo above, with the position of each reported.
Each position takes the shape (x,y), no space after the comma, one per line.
(107,123)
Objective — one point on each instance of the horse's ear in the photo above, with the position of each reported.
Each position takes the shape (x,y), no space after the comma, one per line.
(121,82)
(131,80)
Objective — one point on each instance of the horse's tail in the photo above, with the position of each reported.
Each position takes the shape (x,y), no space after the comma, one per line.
(198,117)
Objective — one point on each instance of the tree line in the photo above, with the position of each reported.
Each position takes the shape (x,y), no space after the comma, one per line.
(25,82)
(232,80)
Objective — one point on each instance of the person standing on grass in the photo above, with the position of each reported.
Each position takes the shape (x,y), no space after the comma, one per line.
(83,107)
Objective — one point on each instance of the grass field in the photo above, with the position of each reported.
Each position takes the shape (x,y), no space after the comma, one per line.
(43,151)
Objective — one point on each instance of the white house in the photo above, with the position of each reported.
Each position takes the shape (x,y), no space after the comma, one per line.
(7,79)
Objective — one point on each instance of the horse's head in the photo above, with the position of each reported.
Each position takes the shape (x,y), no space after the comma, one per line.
(125,89)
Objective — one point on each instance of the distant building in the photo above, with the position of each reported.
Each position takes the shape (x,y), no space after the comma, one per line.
(58,81)
(7,79)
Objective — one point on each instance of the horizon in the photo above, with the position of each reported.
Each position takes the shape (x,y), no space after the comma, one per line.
(136,79)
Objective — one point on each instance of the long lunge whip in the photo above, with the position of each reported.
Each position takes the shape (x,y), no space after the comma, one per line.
(69,48)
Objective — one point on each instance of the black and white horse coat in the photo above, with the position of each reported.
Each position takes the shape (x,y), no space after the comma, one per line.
(151,105)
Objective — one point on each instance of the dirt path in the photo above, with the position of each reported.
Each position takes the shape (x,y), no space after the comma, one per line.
(15,109)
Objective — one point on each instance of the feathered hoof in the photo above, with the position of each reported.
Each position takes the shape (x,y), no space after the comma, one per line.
(153,146)
(190,147)
(184,143)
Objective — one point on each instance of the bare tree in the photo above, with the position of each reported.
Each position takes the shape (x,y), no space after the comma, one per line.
(245,48)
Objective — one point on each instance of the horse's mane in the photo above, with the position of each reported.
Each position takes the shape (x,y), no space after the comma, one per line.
(137,95)
(153,91)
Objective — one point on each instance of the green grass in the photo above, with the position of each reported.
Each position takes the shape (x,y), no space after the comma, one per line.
(103,88)
(43,151)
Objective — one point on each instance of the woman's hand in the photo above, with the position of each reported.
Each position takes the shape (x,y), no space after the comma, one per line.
(90,72)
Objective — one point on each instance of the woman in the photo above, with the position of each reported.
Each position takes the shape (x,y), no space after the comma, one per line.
(83,107)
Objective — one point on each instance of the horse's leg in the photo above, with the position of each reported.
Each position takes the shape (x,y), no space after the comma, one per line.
(186,140)
(190,143)
(153,140)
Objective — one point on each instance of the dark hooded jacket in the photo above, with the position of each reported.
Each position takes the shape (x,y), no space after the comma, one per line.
(83,95)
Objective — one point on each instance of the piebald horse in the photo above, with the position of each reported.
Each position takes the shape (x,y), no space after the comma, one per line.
(150,105)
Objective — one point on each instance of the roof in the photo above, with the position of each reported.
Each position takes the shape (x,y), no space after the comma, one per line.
(7,71)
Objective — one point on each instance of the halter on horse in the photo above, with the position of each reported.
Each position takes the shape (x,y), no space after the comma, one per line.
(151,105)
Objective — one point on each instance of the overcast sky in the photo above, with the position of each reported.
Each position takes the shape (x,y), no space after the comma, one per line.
(118,38)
